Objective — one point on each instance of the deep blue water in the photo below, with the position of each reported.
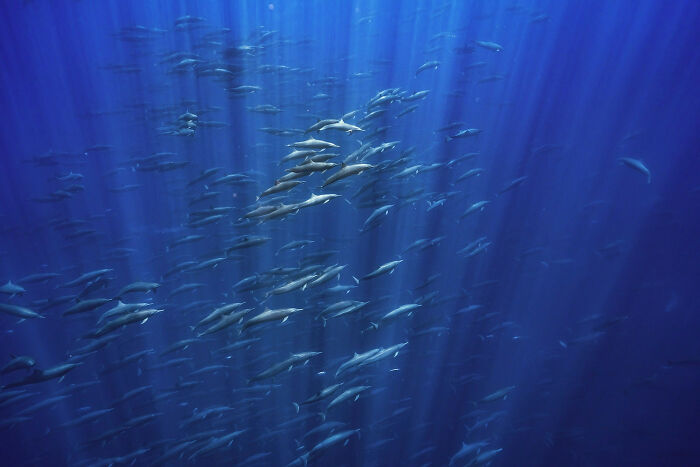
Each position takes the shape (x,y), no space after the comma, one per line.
(564,334)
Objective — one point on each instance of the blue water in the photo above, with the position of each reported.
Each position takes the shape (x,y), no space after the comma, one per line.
(565,333)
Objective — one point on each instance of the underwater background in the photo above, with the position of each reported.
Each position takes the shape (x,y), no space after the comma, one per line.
(484,249)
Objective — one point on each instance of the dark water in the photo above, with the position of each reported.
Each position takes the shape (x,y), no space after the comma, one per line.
(565,333)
